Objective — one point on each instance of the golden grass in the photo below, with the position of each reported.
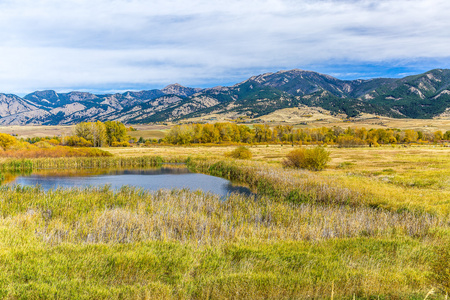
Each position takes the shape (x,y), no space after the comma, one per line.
(173,151)
(148,134)
(370,121)
(30,131)
(54,151)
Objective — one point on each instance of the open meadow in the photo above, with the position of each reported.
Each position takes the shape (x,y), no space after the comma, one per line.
(416,177)
(374,224)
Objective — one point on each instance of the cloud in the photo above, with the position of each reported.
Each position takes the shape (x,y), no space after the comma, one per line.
(109,45)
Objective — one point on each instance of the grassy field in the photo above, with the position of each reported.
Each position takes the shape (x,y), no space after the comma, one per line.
(30,131)
(299,118)
(375,224)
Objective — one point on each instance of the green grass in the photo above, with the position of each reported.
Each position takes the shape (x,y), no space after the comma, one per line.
(103,244)
(285,270)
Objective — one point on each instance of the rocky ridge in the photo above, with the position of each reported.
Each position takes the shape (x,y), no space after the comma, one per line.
(420,96)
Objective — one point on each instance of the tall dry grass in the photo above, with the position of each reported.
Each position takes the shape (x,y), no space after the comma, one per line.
(80,163)
(54,152)
(100,215)
(191,245)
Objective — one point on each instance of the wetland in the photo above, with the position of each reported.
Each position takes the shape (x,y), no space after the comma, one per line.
(150,179)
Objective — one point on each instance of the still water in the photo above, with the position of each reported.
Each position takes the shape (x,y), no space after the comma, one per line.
(149,179)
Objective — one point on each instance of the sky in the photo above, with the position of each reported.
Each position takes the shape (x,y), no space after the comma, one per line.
(106,46)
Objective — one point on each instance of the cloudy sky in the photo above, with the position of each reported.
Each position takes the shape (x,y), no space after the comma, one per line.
(117,45)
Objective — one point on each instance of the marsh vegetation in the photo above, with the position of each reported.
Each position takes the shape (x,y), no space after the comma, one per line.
(187,244)
(375,223)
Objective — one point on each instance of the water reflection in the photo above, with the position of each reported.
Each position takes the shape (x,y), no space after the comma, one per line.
(150,179)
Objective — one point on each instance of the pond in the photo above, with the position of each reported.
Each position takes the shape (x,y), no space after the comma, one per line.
(149,179)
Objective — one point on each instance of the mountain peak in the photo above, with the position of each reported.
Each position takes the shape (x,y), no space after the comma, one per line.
(294,71)
(174,85)
(179,90)
(46,96)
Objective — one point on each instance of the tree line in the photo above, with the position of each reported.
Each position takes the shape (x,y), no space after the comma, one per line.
(115,134)
(263,133)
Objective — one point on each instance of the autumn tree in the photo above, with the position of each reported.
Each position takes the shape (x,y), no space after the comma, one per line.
(262,133)
(438,136)
(210,133)
(116,132)
(410,136)
(98,131)
(180,135)
(246,134)
(6,141)
(94,132)
(447,135)
(83,130)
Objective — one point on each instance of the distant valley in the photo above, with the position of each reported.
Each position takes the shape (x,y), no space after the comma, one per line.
(423,96)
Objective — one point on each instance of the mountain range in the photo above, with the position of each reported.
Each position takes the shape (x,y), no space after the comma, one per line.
(424,96)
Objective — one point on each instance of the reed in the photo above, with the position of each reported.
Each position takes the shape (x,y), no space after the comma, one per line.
(101,215)
(80,163)
(192,245)
(48,150)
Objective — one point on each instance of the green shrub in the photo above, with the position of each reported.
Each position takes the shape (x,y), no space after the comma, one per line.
(308,158)
(241,152)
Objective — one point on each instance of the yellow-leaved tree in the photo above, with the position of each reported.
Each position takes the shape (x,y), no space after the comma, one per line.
(6,141)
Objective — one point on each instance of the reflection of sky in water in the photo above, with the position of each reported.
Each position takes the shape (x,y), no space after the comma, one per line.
(155,179)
